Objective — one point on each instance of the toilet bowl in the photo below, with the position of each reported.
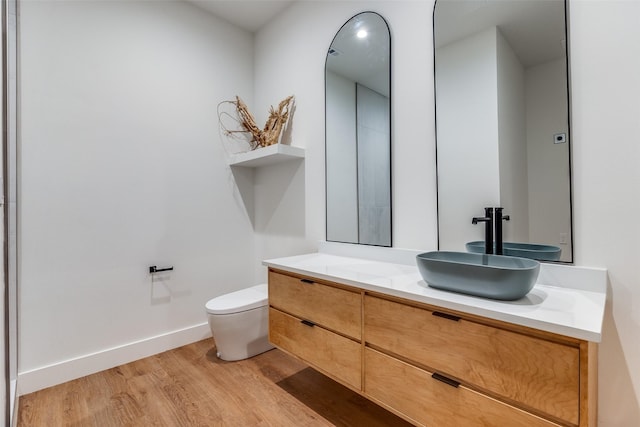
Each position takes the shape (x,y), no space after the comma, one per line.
(239,323)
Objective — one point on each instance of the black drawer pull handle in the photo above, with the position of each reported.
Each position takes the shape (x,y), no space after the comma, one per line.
(308,323)
(445,380)
(446,316)
(310,282)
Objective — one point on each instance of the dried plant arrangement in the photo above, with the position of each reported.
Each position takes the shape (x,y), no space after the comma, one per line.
(248,129)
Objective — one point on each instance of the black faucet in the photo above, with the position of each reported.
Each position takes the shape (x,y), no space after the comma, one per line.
(499,217)
(488,229)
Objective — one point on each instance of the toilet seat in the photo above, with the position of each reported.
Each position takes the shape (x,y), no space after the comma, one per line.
(239,301)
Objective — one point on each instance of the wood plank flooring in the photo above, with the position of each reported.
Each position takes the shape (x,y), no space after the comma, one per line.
(190,386)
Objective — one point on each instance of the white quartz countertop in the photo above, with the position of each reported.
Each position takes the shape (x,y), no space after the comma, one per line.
(573,308)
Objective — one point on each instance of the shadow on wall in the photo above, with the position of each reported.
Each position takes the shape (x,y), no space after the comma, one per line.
(287,131)
(167,286)
(273,196)
(280,199)
(615,388)
(241,180)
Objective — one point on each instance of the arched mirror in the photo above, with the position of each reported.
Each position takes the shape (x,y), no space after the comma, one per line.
(358,132)
(502,119)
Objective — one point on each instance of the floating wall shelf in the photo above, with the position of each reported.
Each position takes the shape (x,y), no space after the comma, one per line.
(264,156)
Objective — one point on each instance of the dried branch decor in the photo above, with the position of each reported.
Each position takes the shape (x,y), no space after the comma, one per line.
(258,137)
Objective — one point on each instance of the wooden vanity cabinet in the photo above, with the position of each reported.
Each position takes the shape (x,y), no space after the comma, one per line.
(536,373)
(319,323)
(423,399)
(326,304)
(434,367)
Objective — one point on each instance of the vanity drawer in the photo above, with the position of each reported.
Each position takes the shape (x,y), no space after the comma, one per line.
(537,373)
(429,402)
(331,307)
(332,354)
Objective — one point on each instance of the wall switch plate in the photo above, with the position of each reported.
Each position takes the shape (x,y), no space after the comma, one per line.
(563,238)
(559,138)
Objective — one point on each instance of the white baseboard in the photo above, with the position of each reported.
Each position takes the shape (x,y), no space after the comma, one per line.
(58,373)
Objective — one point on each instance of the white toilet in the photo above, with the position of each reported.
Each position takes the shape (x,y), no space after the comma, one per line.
(239,323)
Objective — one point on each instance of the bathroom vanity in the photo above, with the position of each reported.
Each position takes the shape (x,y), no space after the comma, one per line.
(439,358)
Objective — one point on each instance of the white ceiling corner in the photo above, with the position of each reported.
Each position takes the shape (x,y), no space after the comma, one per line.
(250,15)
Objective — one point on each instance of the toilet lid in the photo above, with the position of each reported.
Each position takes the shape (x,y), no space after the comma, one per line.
(242,300)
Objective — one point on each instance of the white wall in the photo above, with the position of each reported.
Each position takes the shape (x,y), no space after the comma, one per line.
(549,208)
(357,177)
(295,65)
(289,200)
(123,168)
(605,65)
(374,174)
(512,142)
(342,173)
(467,113)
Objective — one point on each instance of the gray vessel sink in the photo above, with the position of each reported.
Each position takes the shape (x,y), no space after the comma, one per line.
(522,250)
(490,276)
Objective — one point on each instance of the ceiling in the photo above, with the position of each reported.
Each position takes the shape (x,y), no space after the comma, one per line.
(250,15)
(535,29)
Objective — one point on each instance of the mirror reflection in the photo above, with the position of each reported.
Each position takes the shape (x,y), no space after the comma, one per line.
(358,132)
(502,119)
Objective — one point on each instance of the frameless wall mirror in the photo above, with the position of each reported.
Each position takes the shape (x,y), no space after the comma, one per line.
(358,132)
(502,119)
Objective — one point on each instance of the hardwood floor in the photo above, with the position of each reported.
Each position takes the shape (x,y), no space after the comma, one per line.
(190,386)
